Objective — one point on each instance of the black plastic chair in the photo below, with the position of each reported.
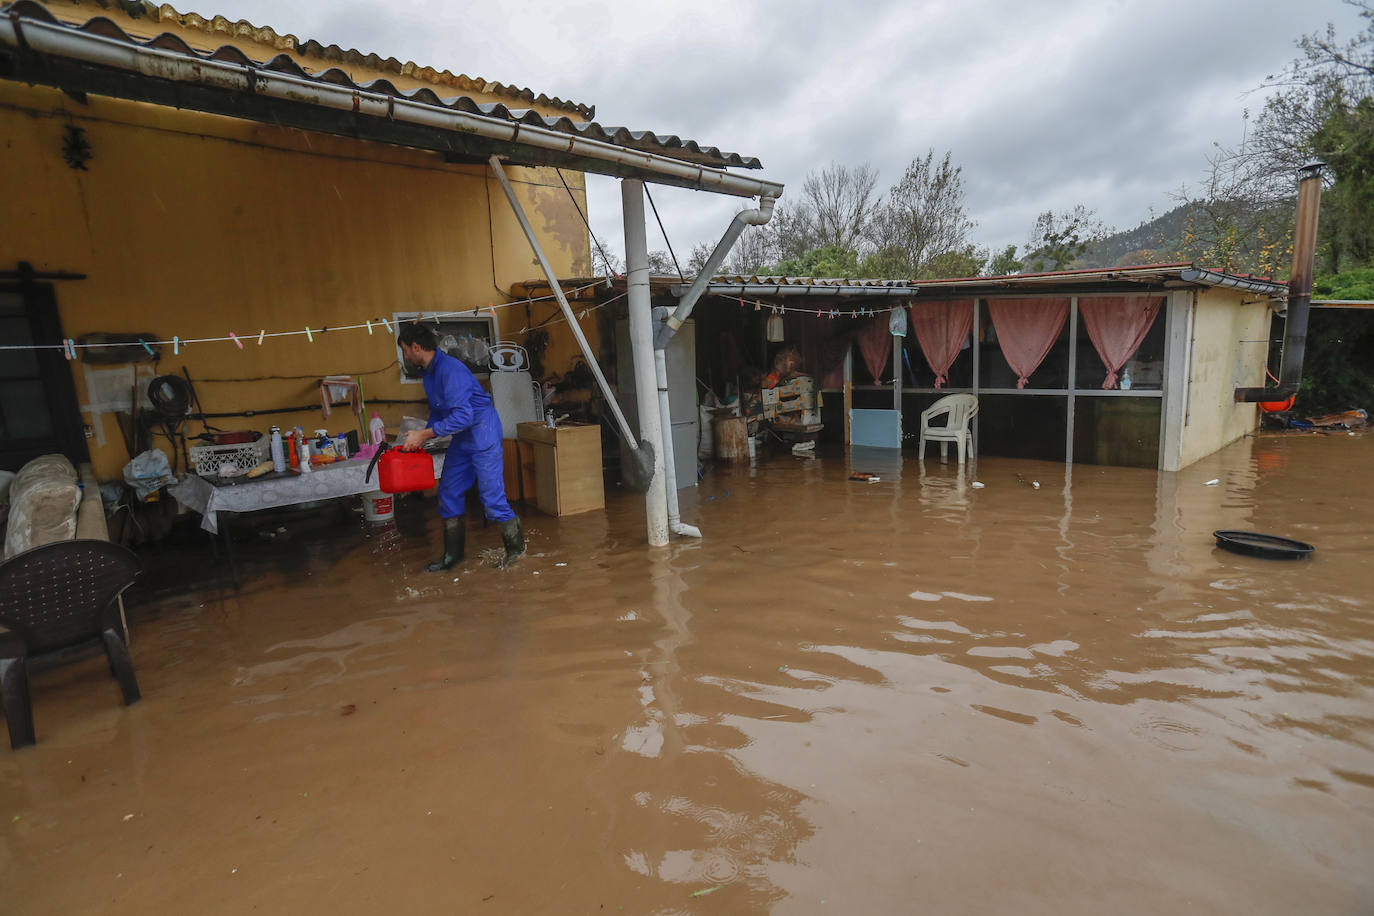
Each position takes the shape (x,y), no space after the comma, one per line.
(55,599)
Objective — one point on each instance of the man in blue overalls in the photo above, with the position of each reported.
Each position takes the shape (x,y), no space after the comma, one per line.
(461,408)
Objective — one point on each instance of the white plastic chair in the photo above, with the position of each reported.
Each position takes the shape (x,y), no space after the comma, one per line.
(960,409)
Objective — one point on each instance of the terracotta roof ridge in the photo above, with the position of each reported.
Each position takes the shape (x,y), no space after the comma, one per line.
(334,54)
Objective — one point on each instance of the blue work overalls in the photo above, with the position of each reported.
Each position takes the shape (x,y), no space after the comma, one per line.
(461,408)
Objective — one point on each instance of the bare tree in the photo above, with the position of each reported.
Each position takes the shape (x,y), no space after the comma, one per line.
(840,202)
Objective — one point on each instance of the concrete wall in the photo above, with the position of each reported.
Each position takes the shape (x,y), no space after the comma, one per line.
(1229,330)
(195,225)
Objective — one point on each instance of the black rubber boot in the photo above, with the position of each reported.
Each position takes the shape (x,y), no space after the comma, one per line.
(514,539)
(455,536)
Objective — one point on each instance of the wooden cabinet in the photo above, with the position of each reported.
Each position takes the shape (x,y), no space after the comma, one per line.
(567,467)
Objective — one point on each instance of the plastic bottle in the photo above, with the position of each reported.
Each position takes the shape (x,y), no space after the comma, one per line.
(293,454)
(278,455)
(305,456)
(1125,384)
(376,429)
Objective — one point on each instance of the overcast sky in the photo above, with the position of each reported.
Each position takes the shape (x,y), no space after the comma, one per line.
(1110,103)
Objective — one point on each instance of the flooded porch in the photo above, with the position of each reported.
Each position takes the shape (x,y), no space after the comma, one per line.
(850,697)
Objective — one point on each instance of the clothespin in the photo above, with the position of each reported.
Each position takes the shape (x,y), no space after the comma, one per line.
(235,338)
(146,347)
(492,307)
(176,346)
(262,332)
(69,349)
(834,312)
(388,325)
(369,328)
(818,313)
(757,306)
(309,336)
(741,302)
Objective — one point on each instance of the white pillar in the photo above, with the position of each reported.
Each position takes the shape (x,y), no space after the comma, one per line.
(642,348)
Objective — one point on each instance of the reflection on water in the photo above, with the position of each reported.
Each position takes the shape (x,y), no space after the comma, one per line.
(879,697)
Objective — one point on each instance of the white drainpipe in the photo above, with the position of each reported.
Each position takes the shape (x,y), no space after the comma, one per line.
(675,523)
(669,327)
(642,348)
(727,241)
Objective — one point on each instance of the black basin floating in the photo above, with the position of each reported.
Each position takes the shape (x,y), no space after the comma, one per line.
(1269,546)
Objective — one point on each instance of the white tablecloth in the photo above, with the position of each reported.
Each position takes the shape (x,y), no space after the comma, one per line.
(328,482)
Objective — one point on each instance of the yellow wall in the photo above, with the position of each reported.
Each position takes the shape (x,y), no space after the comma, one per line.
(196,225)
(1229,351)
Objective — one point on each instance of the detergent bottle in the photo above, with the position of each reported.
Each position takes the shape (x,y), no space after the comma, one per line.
(376,430)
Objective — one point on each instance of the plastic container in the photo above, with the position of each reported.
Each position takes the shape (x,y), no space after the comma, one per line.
(376,430)
(405,472)
(378,506)
(278,452)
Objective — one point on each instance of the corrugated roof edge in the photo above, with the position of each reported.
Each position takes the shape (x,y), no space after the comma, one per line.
(1186,272)
(667,146)
(1181,272)
(332,53)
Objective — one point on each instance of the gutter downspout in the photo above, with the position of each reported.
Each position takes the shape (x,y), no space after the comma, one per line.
(644,454)
(743,218)
(1299,290)
(669,326)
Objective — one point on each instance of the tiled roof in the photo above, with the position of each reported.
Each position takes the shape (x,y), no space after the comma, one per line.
(669,146)
(221,27)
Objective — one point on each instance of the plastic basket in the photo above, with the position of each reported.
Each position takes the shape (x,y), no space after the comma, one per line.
(245,456)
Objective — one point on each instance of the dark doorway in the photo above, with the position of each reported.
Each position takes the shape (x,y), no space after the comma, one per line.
(38,409)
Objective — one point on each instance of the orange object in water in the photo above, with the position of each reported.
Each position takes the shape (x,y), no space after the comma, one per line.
(1278,406)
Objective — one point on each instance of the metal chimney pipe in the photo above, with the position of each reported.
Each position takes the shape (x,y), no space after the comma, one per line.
(1299,289)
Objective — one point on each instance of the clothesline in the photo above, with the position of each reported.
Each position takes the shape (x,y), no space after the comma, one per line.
(69,347)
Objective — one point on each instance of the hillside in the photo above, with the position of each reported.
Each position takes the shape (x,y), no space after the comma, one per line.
(1153,242)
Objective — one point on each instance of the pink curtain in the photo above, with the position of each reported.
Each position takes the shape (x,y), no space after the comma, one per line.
(875,343)
(941,329)
(1117,325)
(1026,330)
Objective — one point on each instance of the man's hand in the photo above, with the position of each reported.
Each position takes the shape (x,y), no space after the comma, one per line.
(415,439)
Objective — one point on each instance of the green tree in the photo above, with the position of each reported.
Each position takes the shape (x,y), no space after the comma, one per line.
(830,261)
(1059,239)
(1004,263)
(922,218)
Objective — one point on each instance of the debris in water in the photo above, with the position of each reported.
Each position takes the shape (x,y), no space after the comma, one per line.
(1213,482)
(707,890)
(865,477)
(978,485)
(128,817)
(782,667)
(348,709)
(560,564)
(1035,484)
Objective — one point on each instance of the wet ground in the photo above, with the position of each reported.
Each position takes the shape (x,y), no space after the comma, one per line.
(896,697)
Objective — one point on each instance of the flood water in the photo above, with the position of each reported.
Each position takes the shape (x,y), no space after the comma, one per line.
(897,697)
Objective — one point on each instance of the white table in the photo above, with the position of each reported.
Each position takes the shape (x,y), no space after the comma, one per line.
(271,491)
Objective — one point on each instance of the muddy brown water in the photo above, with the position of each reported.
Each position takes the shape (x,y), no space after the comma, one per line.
(904,696)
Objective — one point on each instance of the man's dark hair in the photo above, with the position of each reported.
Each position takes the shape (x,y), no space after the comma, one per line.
(416,333)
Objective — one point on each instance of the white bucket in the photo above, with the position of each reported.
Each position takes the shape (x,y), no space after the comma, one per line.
(378,506)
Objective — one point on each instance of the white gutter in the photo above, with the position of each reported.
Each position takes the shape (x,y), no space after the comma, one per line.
(799,289)
(1213,278)
(62,41)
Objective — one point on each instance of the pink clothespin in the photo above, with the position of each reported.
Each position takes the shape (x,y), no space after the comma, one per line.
(235,338)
